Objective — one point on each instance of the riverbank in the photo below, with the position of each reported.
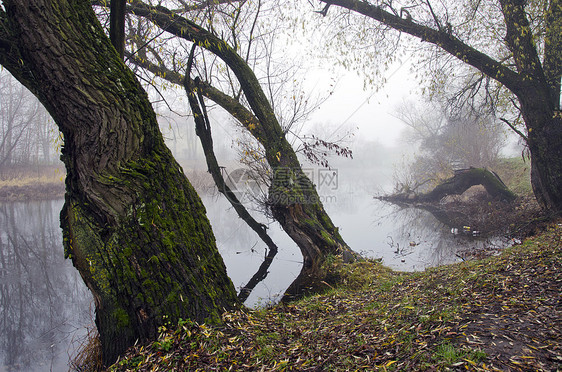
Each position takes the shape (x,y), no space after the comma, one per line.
(500,313)
(476,209)
(32,183)
(47,182)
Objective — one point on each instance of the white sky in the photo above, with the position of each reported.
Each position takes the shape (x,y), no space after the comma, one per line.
(368,110)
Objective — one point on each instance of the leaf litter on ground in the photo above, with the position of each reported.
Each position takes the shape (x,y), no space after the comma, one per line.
(501,313)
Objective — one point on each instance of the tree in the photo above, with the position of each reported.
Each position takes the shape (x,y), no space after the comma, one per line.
(133,225)
(117,25)
(461,181)
(447,142)
(528,63)
(292,197)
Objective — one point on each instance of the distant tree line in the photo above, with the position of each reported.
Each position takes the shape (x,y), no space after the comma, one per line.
(28,134)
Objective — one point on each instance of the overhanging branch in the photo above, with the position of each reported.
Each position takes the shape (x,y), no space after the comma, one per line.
(203,131)
(442,39)
(228,103)
(186,7)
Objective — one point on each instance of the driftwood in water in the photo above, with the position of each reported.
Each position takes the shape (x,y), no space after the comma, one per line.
(458,184)
(454,206)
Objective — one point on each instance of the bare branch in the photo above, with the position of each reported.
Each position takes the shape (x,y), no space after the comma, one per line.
(203,130)
(437,23)
(324,11)
(513,128)
(443,39)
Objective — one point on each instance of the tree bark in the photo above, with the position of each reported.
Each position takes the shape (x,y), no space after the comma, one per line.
(293,199)
(132,223)
(545,146)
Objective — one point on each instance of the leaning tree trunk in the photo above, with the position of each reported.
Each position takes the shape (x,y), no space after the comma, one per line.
(132,223)
(463,180)
(293,199)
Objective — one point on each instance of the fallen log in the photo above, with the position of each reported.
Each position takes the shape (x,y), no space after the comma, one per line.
(466,178)
(462,180)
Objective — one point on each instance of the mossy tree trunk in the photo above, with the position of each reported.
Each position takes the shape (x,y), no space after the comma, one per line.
(132,223)
(293,199)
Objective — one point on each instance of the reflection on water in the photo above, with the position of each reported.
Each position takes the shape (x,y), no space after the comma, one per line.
(243,251)
(44,304)
(43,301)
(407,239)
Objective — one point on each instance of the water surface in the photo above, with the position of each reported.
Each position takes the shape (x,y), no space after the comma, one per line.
(45,307)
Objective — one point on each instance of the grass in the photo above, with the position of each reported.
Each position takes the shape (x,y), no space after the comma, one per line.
(448,354)
(516,174)
(24,175)
(25,183)
(500,313)
(88,354)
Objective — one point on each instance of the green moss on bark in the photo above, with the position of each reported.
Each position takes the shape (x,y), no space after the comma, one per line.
(160,261)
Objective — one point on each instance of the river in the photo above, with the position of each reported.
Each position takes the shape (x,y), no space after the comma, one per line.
(46,309)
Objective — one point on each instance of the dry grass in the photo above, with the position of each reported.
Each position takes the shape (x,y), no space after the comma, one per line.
(27,181)
(22,175)
(31,183)
(88,354)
